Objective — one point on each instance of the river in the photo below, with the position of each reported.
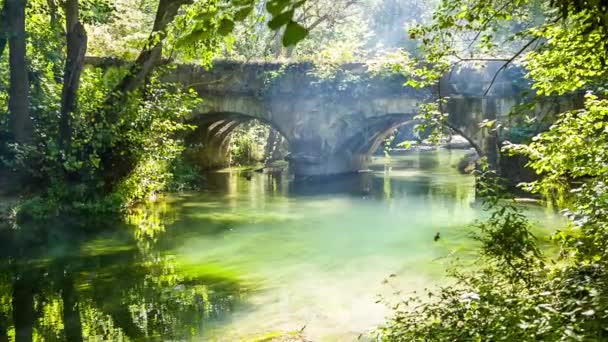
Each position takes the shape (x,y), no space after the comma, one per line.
(249,256)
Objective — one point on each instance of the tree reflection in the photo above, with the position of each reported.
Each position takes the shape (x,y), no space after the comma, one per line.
(74,281)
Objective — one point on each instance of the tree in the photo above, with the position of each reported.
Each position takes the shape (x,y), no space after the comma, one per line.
(151,54)
(76,38)
(21,123)
(3,29)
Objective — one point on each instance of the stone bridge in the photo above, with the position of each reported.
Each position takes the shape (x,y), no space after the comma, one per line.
(333,124)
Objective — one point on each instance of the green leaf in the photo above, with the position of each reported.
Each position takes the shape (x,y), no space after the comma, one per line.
(242,14)
(193,37)
(280,20)
(226,27)
(299,3)
(275,7)
(294,33)
(205,15)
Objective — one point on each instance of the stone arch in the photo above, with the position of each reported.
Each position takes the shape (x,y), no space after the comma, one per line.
(207,145)
(367,138)
(358,137)
(370,136)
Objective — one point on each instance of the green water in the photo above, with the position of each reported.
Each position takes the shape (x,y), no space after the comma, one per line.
(251,254)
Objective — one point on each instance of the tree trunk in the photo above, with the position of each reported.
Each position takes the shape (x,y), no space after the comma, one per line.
(277,43)
(270,141)
(151,54)
(3,28)
(76,38)
(20,120)
(118,163)
(53,13)
(276,152)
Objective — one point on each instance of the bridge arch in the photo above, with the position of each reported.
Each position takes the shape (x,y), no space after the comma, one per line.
(382,127)
(368,138)
(353,145)
(208,144)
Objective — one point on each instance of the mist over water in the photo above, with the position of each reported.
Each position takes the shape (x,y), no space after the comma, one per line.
(253,254)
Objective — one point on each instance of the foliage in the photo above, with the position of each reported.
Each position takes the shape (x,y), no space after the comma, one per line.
(563,304)
(391,19)
(432,120)
(506,241)
(339,32)
(123,35)
(252,38)
(344,29)
(151,124)
(184,176)
(516,293)
(387,143)
(154,128)
(124,132)
(572,159)
(574,56)
(248,143)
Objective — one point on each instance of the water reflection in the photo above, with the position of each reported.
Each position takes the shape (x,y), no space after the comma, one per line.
(414,173)
(250,254)
(74,281)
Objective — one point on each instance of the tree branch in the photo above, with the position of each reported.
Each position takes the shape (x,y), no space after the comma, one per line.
(484,26)
(456,129)
(480,59)
(467,138)
(509,61)
(327,16)
(118,163)
(151,54)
